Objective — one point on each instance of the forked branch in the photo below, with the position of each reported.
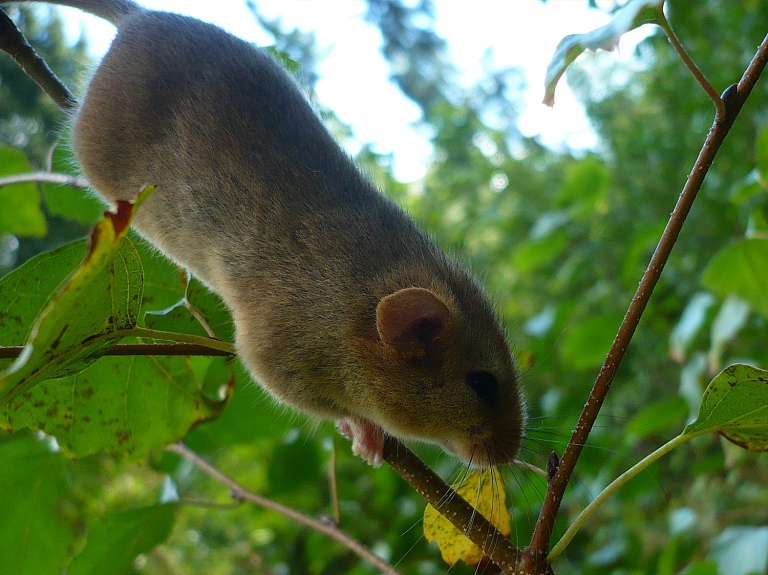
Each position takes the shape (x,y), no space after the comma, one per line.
(733,99)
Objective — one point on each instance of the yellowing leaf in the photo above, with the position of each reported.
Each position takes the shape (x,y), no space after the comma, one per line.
(77,323)
(484,491)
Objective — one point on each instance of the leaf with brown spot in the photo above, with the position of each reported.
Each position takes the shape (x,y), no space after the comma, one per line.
(78,322)
(125,406)
(485,492)
(27,290)
(735,404)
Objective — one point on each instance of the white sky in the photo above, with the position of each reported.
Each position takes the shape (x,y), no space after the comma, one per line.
(354,75)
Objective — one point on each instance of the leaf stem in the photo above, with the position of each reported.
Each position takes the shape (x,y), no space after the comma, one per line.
(614,486)
(691,65)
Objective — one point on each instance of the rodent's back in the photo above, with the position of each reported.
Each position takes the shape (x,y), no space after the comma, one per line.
(190,106)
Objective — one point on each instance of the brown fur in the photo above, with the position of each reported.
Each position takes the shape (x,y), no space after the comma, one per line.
(256,199)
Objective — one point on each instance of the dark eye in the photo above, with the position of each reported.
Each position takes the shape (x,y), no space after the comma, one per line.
(484,384)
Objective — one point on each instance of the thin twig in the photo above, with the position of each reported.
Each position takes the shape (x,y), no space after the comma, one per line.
(452,506)
(531,467)
(733,99)
(333,484)
(12,352)
(691,65)
(210,504)
(200,319)
(240,492)
(46,178)
(14,43)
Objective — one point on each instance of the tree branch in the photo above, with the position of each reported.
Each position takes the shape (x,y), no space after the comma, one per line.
(14,43)
(46,178)
(733,98)
(240,492)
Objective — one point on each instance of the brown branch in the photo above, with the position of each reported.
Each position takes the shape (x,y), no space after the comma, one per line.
(14,43)
(11,352)
(327,528)
(734,98)
(46,178)
(450,505)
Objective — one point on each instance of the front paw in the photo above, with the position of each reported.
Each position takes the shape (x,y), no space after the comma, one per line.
(367,438)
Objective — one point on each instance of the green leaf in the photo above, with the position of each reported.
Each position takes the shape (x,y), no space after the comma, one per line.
(533,254)
(757,226)
(34,537)
(125,406)
(585,188)
(212,309)
(644,241)
(658,417)
(633,15)
(117,539)
(21,214)
(66,201)
(730,319)
(295,463)
(694,377)
(26,290)
(761,157)
(164,281)
(175,319)
(251,414)
(691,322)
(735,404)
(207,305)
(747,188)
(586,344)
(100,298)
(702,568)
(741,269)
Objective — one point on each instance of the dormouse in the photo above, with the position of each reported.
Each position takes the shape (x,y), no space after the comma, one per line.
(343,308)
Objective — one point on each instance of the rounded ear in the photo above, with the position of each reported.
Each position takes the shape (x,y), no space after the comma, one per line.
(411,319)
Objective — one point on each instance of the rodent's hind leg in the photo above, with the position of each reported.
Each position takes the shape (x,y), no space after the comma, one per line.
(367,438)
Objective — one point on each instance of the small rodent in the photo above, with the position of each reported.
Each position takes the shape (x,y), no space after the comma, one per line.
(343,308)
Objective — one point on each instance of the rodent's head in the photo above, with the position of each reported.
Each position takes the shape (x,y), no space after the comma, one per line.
(445,374)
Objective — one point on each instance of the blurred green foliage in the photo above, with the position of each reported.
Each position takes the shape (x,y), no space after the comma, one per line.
(560,239)
(32,123)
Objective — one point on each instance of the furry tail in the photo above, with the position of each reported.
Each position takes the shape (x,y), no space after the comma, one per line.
(114,11)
